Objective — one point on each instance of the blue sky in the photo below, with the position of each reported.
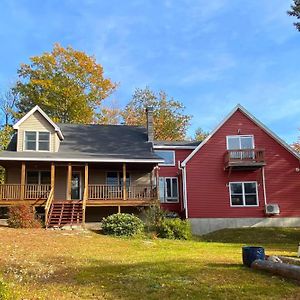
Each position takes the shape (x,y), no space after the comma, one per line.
(210,55)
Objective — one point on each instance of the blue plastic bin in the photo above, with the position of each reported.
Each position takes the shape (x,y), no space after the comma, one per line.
(250,254)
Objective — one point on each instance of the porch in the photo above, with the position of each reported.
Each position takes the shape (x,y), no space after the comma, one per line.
(119,184)
(98,194)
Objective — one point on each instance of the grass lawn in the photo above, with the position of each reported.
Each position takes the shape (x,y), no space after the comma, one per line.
(40,264)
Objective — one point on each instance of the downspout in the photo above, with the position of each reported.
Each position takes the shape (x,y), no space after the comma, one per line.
(264,185)
(184,190)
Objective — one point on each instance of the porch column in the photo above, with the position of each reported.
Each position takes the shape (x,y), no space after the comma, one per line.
(69,183)
(52,176)
(124,182)
(86,179)
(23,176)
(86,191)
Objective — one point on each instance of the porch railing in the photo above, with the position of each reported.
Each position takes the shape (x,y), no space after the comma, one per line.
(115,192)
(37,191)
(244,155)
(27,191)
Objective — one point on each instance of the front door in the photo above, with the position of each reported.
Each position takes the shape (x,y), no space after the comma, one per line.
(76,186)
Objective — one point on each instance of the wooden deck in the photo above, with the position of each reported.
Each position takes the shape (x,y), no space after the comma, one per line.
(244,159)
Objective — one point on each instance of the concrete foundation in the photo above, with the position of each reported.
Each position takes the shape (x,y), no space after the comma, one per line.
(202,226)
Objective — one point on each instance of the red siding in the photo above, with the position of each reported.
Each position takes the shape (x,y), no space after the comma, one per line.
(207,182)
(180,155)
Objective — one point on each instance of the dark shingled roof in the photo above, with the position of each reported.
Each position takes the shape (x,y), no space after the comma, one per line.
(177,143)
(95,142)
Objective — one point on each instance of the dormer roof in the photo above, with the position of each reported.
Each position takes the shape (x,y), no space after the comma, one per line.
(31,112)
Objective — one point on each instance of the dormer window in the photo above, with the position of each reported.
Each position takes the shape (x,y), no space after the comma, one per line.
(37,141)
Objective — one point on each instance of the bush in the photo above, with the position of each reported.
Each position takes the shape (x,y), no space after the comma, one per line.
(122,225)
(174,229)
(153,216)
(22,216)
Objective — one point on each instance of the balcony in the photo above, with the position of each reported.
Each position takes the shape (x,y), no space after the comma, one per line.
(244,159)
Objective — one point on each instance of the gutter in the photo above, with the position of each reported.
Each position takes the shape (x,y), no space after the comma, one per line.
(80,159)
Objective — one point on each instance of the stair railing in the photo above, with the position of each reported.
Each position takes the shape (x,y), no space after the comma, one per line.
(48,205)
(85,197)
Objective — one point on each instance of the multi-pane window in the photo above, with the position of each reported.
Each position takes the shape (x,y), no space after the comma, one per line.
(243,193)
(239,143)
(235,142)
(168,157)
(43,141)
(37,140)
(38,177)
(116,178)
(168,189)
(30,140)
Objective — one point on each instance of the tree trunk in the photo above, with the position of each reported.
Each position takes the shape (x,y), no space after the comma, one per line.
(282,269)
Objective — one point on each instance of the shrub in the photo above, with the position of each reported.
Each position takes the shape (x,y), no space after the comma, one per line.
(22,216)
(153,216)
(174,229)
(122,224)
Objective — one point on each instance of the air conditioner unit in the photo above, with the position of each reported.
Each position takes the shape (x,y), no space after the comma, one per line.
(272,209)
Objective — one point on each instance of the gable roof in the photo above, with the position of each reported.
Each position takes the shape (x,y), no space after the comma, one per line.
(252,118)
(31,112)
(93,143)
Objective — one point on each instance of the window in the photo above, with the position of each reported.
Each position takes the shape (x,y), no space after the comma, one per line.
(243,193)
(44,141)
(116,178)
(37,141)
(38,177)
(168,156)
(30,140)
(168,189)
(240,142)
(235,142)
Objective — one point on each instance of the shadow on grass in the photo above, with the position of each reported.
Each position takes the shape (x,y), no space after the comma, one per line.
(255,236)
(168,279)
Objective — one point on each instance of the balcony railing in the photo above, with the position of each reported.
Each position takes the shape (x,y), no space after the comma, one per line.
(26,192)
(116,192)
(245,157)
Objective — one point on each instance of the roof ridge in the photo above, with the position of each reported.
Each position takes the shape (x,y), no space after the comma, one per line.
(104,125)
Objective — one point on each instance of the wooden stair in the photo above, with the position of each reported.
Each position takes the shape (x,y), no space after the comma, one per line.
(63,213)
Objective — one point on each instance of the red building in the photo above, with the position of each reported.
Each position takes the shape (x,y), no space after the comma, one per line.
(170,173)
(242,174)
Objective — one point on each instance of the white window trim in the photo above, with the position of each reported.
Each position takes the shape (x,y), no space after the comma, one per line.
(243,190)
(165,200)
(241,135)
(164,164)
(36,141)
